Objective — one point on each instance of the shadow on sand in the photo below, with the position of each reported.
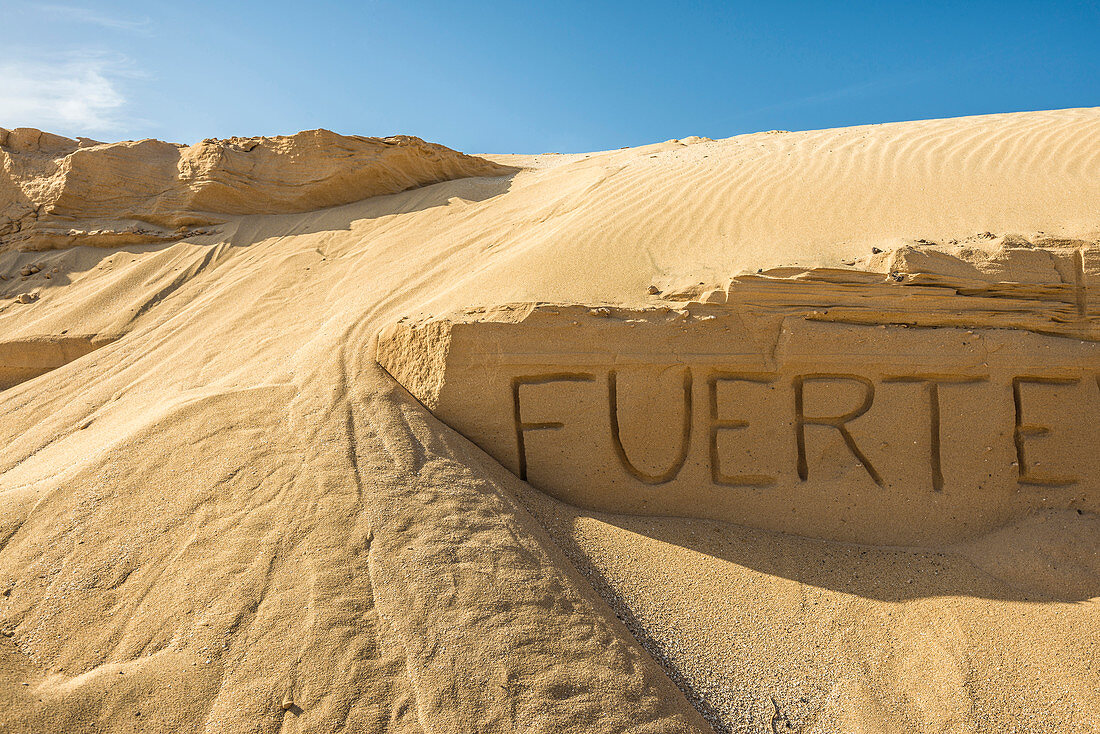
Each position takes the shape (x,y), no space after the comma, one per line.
(1048,556)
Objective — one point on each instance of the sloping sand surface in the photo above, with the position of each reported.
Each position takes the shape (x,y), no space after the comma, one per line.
(228,517)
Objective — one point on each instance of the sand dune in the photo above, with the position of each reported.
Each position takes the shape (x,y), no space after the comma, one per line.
(228,517)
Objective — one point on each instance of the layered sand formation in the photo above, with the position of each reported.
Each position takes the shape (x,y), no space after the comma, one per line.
(57,192)
(229,517)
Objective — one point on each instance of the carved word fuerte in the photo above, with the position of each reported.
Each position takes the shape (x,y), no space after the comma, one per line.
(719,423)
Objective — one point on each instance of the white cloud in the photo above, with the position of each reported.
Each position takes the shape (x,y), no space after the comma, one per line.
(76,14)
(71,95)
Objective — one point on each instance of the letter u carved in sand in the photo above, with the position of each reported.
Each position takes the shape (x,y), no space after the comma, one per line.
(617,441)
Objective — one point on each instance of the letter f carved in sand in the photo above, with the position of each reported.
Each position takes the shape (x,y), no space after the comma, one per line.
(521,427)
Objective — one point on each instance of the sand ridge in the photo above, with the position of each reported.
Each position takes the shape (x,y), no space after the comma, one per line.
(56,192)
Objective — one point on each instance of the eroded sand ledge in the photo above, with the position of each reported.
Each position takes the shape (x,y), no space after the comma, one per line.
(25,360)
(778,403)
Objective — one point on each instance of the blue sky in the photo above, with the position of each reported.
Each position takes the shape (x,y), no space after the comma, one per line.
(533,77)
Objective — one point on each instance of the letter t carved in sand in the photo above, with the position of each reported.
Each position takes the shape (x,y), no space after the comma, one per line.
(932,387)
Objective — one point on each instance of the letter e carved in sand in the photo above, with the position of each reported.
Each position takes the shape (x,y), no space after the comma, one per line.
(1023,430)
(726,424)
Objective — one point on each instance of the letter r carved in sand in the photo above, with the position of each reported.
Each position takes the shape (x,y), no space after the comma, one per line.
(839,422)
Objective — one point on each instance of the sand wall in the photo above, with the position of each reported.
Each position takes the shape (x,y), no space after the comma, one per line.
(813,422)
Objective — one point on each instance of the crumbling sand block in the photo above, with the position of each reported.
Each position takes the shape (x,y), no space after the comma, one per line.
(56,192)
(28,358)
(885,434)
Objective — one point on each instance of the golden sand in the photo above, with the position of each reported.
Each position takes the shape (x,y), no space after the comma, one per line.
(219,513)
